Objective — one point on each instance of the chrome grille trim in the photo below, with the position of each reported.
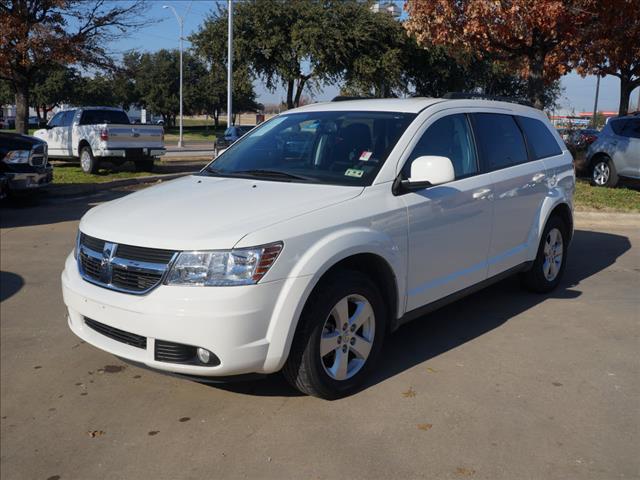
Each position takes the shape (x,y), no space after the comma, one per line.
(126,275)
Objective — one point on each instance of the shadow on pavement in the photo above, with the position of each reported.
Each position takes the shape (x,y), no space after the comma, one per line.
(463,321)
(10,284)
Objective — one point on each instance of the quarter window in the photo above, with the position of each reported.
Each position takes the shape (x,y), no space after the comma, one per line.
(540,140)
(632,128)
(618,126)
(499,140)
(448,137)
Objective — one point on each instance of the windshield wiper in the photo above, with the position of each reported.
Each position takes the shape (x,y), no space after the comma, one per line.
(272,174)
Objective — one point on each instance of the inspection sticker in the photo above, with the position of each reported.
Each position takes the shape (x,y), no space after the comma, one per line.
(354,172)
(365,155)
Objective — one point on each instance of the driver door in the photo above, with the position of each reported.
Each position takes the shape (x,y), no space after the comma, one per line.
(54,135)
(449,225)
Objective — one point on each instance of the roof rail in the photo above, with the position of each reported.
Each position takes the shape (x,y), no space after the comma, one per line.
(483,96)
(344,98)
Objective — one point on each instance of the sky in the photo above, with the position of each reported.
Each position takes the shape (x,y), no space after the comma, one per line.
(578,93)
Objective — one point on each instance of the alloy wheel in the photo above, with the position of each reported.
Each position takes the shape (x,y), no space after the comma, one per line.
(601,173)
(553,252)
(347,337)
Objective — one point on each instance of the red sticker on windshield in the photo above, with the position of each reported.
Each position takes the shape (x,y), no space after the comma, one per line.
(365,155)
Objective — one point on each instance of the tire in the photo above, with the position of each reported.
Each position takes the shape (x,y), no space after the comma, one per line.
(145,165)
(603,172)
(548,267)
(88,162)
(356,295)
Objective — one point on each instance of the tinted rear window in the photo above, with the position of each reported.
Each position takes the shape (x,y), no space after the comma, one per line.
(499,140)
(94,117)
(541,141)
(632,128)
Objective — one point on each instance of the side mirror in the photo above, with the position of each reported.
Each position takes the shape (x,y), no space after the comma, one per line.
(426,171)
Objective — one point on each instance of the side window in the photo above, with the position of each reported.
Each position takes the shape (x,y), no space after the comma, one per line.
(632,128)
(56,120)
(499,140)
(447,137)
(67,118)
(618,126)
(540,140)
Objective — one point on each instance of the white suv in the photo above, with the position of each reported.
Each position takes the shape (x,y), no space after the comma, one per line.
(320,232)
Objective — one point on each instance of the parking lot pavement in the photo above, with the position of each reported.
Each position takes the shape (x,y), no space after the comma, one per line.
(501,385)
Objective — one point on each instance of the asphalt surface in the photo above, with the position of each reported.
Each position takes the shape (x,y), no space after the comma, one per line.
(501,385)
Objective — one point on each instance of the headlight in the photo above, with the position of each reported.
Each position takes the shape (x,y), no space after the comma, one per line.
(17,156)
(243,266)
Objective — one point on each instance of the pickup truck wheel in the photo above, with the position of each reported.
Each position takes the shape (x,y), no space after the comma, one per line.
(145,165)
(548,267)
(88,162)
(339,338)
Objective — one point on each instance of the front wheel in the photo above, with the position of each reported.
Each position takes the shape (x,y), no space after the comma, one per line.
(548,267)
(340,335)
(88,163)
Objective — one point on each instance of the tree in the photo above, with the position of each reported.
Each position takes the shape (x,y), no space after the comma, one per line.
(157,83)
(537,37)
(37,34)
(52,87)
(611,45)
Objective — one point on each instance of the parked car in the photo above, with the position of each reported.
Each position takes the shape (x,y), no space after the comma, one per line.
(584,137)
(7,123)
(230,136)
(24,162)
(616,152)
(4,186)
(102,133)
(303,259)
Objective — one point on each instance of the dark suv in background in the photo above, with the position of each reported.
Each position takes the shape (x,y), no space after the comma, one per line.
(24,163)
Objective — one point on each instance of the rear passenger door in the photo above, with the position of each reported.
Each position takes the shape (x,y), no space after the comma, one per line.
(519,185)
(627,149)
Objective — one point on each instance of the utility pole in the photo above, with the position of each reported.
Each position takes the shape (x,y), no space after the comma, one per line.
(595,105)
(181,23)
(230,64)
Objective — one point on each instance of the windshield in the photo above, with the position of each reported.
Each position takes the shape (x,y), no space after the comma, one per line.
(340,148)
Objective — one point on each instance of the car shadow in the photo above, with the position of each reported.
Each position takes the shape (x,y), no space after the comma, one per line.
(467,319)
(10,284)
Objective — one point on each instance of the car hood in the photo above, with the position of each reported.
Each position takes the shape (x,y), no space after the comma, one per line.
(198,212)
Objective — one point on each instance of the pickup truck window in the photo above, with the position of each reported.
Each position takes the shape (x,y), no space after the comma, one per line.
(56,121)
(96,117)
(67,118)
(335,147)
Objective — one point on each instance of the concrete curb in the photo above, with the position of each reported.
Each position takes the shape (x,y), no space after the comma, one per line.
(620,219)
(90,188)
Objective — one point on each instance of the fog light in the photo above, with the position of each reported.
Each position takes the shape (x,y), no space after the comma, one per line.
(204,355)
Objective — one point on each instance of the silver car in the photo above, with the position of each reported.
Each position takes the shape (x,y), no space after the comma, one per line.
(616,152)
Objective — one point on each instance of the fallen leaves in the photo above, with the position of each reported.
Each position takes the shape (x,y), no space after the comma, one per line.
(95,433)
(464,472)
(424,426)
(409,393)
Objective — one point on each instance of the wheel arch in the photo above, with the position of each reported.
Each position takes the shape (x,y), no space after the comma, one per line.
(364,257)
(83,143)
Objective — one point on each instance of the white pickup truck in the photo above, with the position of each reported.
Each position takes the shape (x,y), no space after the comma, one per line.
(102,133)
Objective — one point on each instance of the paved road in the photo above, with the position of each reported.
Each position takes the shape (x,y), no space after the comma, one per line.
(502,385)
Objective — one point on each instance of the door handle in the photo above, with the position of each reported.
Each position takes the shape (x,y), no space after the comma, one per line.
(538,177)
(482,194)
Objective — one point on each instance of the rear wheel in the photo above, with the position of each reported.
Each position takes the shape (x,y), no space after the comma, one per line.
(339,337)
(88,163)
(603,172)
(548,267)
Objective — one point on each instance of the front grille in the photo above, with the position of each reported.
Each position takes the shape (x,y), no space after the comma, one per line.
(117,334)
(179,353)
(125,268)
(38,155)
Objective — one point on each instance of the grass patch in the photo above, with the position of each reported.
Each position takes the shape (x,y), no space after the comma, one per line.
(620,199)
(67,174)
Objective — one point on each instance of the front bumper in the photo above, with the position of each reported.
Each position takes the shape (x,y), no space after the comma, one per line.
(30,180)
(231,322)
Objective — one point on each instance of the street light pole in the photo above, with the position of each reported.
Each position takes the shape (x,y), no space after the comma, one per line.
(230,64)
(181,23)
(595,105)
